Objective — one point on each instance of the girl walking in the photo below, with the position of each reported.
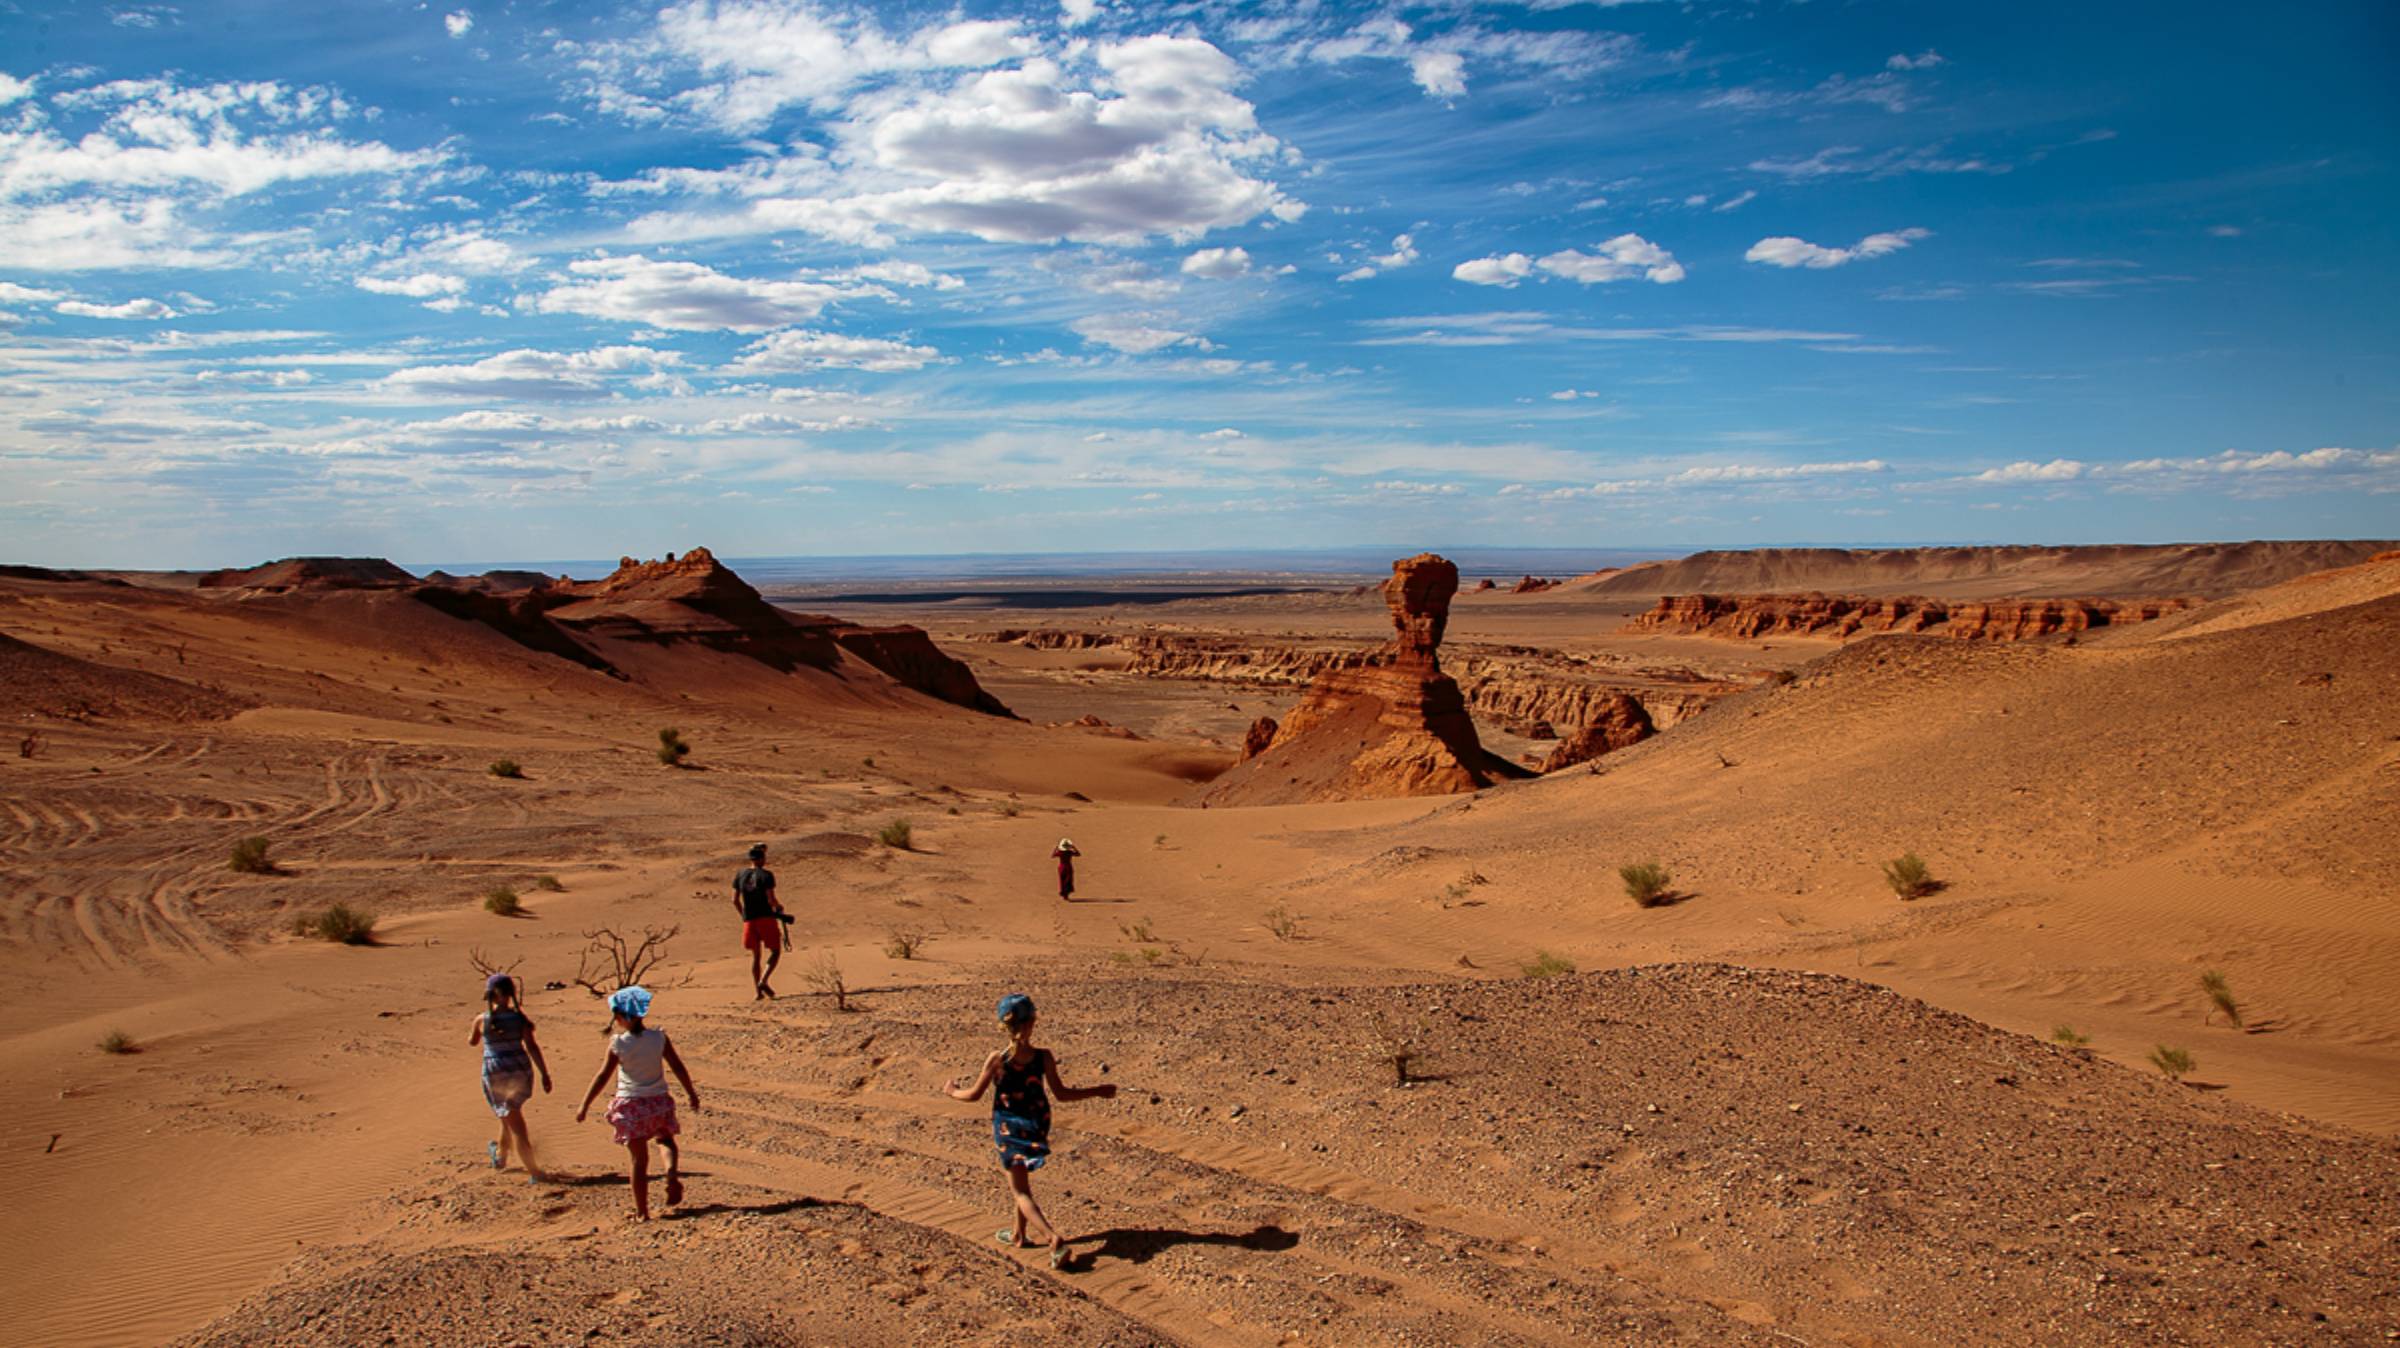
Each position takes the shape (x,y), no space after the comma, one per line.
(643,1110)
(1065,855)
(1016,1073)
(510,1055)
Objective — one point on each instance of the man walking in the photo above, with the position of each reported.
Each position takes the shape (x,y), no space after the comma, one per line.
(762,919)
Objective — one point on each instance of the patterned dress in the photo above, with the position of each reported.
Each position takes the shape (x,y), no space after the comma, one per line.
(1021,1112)
(507,1068)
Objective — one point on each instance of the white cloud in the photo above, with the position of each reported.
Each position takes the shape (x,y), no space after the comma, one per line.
(1222,433)
(2026,470)
(2224,232)
(1924,60)
(1735,203)
(1217,263)
(1786,251)
(1128,335)
(458,23)
(2234,461)
(1404,252)
(1568,395)
(525,373)
(267,378)
(684,296)
(792,352)
(914,274)
(1442,74)
(1783,472)
(1356,274)
(12,88)
(88,235)
(136,308)
(1502,270)
(12,293)
(1076,13)
(422,285)
(1621,258)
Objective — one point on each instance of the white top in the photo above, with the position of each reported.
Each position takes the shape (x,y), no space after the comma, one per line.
(641,1064)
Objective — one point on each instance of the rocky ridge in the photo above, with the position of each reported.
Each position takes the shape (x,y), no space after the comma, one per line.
(1748,616)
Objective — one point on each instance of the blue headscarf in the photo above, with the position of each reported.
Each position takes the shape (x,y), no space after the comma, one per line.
(633,1001)
(1016,1007)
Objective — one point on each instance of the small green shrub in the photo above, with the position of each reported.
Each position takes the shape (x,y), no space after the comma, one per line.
(2065,1034)
(1009,809)
(548,884)
(341,924)
(896,835)
(2175,1063)
(1645,883)
(250,857)
(502,901)
(506,767)
(1544,964)
(1908,876)
(672,747)
(2220,999)
(903,943)
(118,1042)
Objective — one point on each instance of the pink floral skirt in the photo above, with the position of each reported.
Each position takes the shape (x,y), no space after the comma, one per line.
(640,1118)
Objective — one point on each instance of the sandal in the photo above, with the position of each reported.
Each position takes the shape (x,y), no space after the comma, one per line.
(1005,1236)
(494,1149)
(674,1190)
(1059,1257)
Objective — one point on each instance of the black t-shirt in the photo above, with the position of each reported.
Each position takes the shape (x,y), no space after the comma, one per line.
(755,886)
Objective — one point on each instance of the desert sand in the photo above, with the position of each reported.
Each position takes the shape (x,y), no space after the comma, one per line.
(1393,1068)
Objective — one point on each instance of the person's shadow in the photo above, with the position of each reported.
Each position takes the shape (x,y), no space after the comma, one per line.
(1141,1244)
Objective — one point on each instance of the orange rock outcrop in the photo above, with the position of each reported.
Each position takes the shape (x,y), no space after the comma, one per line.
(1745,616)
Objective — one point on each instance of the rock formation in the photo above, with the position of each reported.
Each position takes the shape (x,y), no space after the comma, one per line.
(1258,737)
(312,573)
(1533,585)
(1621,726)
(1745,616)
(1386,723)
(2212,570)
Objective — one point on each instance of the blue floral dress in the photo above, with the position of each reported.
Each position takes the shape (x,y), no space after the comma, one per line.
(1021,1112)
(507,1067)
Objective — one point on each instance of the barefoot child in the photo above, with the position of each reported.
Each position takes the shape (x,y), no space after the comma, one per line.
(641,1058)
(510,1055)
(1021,1116)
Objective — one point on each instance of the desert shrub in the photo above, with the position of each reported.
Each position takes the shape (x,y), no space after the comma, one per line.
(611,961)
(2175,1063)
(250,857)
(1281,924)
(1394,1044)
(340,924)
(1645,882)
(825,975)
(2065,1034)
(896,835)
(1781,678)
(867,762)
(2220,999)
(548,884)
(1010,809)
(503,901)
(1544,964)
(506,767)
(1908,876)
(1137,930)
(1159,841)
(118,1042)
(672,747)
(903,943)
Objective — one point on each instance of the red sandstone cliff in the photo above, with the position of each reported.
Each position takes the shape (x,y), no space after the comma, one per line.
(1745,616)
(1388,723)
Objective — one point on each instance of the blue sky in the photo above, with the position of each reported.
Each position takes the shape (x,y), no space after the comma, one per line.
(567,280)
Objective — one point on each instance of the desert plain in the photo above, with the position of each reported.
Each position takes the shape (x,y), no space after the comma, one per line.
(1400,1061)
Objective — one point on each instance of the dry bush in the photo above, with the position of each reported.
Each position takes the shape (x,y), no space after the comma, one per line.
(341,924)
(825,975)
(1395,1044)
(250,857)
(1281,924)
(903,943)
(1908,876)
(1544,964)
(2065,1034)
(548,884)
(506,767)
(672,747)
(1137,930)
(502,901)
(2175,1063)
(1645,883)
(118,1042)
(1148,956)
(896,835)
(611,961)
(1009,809)
(30,745)
(2220,999)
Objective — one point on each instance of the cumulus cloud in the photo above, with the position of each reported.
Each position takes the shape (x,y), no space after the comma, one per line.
(1217,263)
(2026,470)
(1505,269)
(1442,74)
(459,23)
(1621,258)
(1776,472)
(684,296)
(1786,251)
(424,285)
(912,274)
(2234,461)
(136,308)
(797,351)
(1924,60)
(1128,335)
(12,88)
(96,235)
(12,293)
(531,374)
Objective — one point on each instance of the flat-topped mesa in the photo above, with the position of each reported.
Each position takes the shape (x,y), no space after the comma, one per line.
(1745,616)
(1384,723)
(311,573)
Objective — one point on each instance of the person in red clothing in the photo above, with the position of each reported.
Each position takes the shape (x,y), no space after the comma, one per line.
(762,919)
(1066,854)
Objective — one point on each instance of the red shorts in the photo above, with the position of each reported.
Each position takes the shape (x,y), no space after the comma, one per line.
(762,933)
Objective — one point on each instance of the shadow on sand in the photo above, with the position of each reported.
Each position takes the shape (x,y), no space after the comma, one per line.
(1141,1244)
